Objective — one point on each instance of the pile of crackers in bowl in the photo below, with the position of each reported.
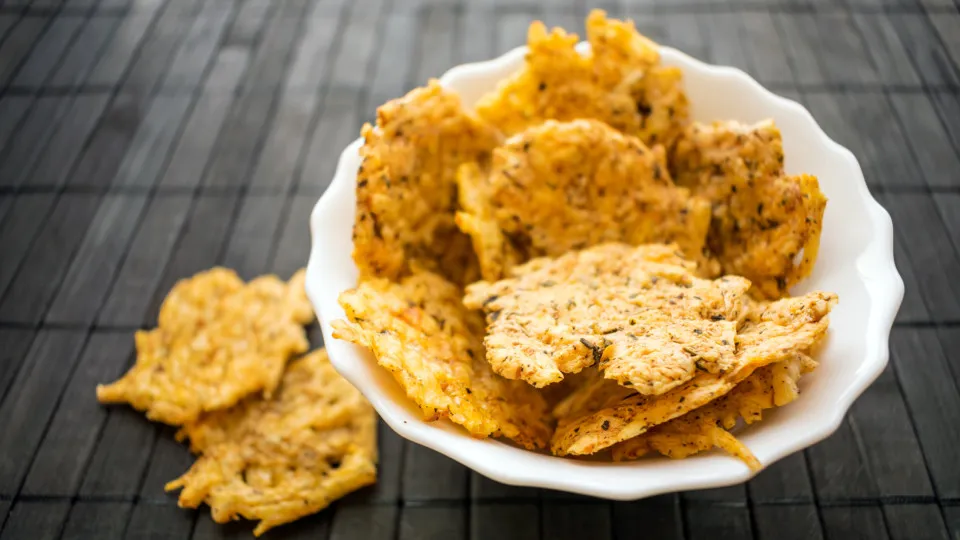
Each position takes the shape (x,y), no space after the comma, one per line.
(575,266)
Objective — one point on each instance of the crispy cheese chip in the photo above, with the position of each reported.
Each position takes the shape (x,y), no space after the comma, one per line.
(763,219)
(772,333)
(217,341)
(705,428)
(495,252)
(419,330)
(562,186)
(619,82)
(277,460)
(638,313)
(406,185)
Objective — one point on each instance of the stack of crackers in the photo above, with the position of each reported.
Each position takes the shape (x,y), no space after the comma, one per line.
(277,437)
(576,266)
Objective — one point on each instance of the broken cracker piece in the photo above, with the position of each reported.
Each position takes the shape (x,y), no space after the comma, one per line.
(406,185)
(217,340)
(638,313)
(562,186)
(774,332)
(762,219)
(705,428)
(419,330)
(620,82)
(279,459)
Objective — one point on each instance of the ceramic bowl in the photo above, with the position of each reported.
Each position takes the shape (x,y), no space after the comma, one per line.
(855,261)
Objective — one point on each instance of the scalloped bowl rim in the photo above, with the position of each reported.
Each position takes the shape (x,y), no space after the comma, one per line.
(508,464)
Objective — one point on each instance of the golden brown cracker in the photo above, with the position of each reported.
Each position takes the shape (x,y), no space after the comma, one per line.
(619,82)
(277,460)
(217,341)
(406,185)
(638,313)
(775,332)
(705,428)
(562,186)
(762,219)
(495,253)
(419,330)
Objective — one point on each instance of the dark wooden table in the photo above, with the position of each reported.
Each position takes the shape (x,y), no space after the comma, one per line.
(145,140)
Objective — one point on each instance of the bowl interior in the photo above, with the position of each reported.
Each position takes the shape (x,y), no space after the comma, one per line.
(855,260)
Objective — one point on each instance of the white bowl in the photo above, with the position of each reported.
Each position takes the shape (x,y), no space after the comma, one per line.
(856,261)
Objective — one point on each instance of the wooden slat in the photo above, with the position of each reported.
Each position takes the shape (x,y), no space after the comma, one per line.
(272,54)
(237,147)
(206,529)
(313,54)
(293,247)
(511,29)
(338,126)
(429,476)
(143,266)
(950,341)
(364,522)
(853,523)
(475,37)
(160,522)
(429,523)
(659,517)
(279,162)
(912,309)
(40,274)
(146,157)
(358,43)
(933,260)
(765,49)
(922,42)
(842,51)
(389,470)
(199,248)
(783,522)
(722,49)
(198,48)
(16,343)
(930,389)
(80,58)
(100,520)
(889,444)
(12,110)
(715,522)
(35,520)
(437,29)
(154,54)
(61,457)
(248,24)
(730,494)
(504,521)
(121,455)
(107,146)
(928,139)
(31,401)
(890,56)
(785,480)
(915,522)
(18,44)
(19,229)
(47,53)
(119,52)
(195,147)
(55,163)
(568,521)
(485,489)
(839,470)
(799,35)
(952,516)
(947,105)
(254,233)
(38,127)
(168,461)
(91,273)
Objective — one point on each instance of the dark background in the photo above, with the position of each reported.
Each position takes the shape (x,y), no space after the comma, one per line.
(142,141)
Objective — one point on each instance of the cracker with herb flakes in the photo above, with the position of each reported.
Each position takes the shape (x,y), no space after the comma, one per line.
(217,340)
(406,185)
(419,330)
(277,460)
(562,186)
(495,252)
(708,427)
(772,333)
(763,219)
(638,313)
(619,82)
